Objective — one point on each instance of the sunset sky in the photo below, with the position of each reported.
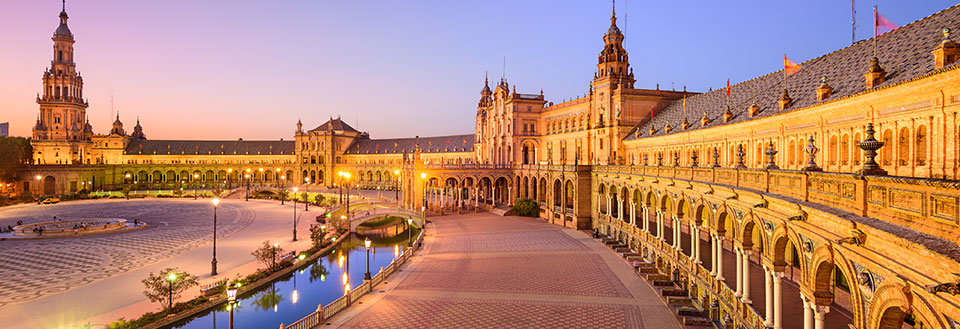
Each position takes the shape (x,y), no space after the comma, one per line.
(250,69)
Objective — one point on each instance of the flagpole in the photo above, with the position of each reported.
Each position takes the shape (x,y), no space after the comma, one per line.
(875,31)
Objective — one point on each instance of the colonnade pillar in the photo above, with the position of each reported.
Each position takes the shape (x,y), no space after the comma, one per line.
(646,219)
(619,208)
(713,254)
(633,214)
(720,258)
(768,295)
(736,253)
(777,299)
(746,277)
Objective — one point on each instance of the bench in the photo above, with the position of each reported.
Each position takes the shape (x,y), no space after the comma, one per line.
(213,288)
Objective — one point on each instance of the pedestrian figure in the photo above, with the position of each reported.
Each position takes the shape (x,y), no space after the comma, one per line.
(75,227)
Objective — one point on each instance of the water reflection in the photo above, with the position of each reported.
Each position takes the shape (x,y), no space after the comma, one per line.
(298,294)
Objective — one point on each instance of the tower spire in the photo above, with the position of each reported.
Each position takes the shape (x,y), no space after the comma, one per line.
(613,15)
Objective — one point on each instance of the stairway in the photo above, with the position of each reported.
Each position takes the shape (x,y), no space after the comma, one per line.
(687,309)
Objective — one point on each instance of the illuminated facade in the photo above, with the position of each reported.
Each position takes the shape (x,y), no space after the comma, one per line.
(776,177)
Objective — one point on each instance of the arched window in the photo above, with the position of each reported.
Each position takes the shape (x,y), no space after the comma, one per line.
(887,151)
(903,147)
(832,151)
(792,153)
(845,150)
(920,148)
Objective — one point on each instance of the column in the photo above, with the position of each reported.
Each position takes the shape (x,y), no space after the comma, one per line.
(807,312)
(720,258)
(633,214)
(736,254)
(660,225)
(777,299)
(693,242)
(677,225)
(646,219)
(696,243)
(768,295)
(609,206)
(493,198)
(746,276)
(476,199)
(619,208)
(713,255)
(819,313)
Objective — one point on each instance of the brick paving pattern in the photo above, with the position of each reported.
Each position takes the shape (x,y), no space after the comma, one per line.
(487,271)
(35,268)
(574,274)
(394,312)
(510,241)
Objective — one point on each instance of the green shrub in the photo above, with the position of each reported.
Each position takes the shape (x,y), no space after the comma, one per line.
(527,208)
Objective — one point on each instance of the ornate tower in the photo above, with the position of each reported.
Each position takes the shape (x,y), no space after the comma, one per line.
(62,130)
(613,75)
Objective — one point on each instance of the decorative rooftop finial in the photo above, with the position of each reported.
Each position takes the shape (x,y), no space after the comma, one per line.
(946,34)
(64,5)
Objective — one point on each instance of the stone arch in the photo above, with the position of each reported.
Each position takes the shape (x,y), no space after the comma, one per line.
(723,220)
(746,232)
(666,203)
(49,185)
(683,208)
(822,265)
(889,307)
(651,199)
(781,239)
(702,214)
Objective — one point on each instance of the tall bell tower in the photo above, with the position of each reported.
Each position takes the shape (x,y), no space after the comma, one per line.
(62,133)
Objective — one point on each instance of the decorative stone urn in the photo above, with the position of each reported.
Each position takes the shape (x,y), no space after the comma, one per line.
(716,158)
(771,154)
(811,156)
(693,159)
(870,145)
(740,156)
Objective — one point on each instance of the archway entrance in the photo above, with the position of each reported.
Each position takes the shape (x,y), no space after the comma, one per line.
(49,185)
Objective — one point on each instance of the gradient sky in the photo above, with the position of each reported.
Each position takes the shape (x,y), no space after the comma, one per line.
(229,69)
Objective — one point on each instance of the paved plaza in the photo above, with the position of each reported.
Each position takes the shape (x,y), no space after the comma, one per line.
(486,271)
(48,283)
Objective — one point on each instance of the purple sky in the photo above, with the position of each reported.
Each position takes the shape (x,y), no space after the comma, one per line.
(229,69)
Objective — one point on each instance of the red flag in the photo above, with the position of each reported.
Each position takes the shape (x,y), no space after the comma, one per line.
(790,67)
(881,24)
(728,87)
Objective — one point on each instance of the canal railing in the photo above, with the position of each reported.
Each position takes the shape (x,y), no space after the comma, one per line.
(325,312)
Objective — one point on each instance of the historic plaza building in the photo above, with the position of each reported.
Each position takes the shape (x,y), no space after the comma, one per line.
(837,185)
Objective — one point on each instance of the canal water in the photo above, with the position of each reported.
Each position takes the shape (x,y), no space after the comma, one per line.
(295,296)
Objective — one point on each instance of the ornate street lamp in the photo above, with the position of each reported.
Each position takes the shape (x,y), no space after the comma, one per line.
(246,177)
(410,231)
(294,213)
(170,278)
(397,191)
(195,177)
(231,300)
(213,263)
(366,243)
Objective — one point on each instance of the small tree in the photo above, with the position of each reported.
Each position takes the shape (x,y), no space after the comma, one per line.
(125,192)
(178,192)
(318,198)
(283,194)
(158,287)
(527,208)
(217,191)
(268,254)
(305,197)
(317,234)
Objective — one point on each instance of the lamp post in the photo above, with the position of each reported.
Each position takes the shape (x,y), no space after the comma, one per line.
(170,278)
(246,177)
(229,178)
(423,176)
(213,263)
(397,191)
(366,243)
(39,190)
(126,181)
(195,177)
(294,214)
(274,266)
(231,299)
(261,176)
(410,231)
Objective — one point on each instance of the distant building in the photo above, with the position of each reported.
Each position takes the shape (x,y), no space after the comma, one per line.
(5,129)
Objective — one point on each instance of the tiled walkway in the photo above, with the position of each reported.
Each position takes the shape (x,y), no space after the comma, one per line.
(487,271)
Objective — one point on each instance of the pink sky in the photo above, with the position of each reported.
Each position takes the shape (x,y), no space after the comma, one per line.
(225,69)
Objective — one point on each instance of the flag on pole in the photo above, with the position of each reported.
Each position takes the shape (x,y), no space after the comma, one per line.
(881,24)
(789,67)
(728,87)
(684,104)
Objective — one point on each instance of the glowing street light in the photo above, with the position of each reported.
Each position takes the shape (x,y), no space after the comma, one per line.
(213,263)
(366,243)
(410,231)
(231,299)
(396,172)
(195,177)
(170,278)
